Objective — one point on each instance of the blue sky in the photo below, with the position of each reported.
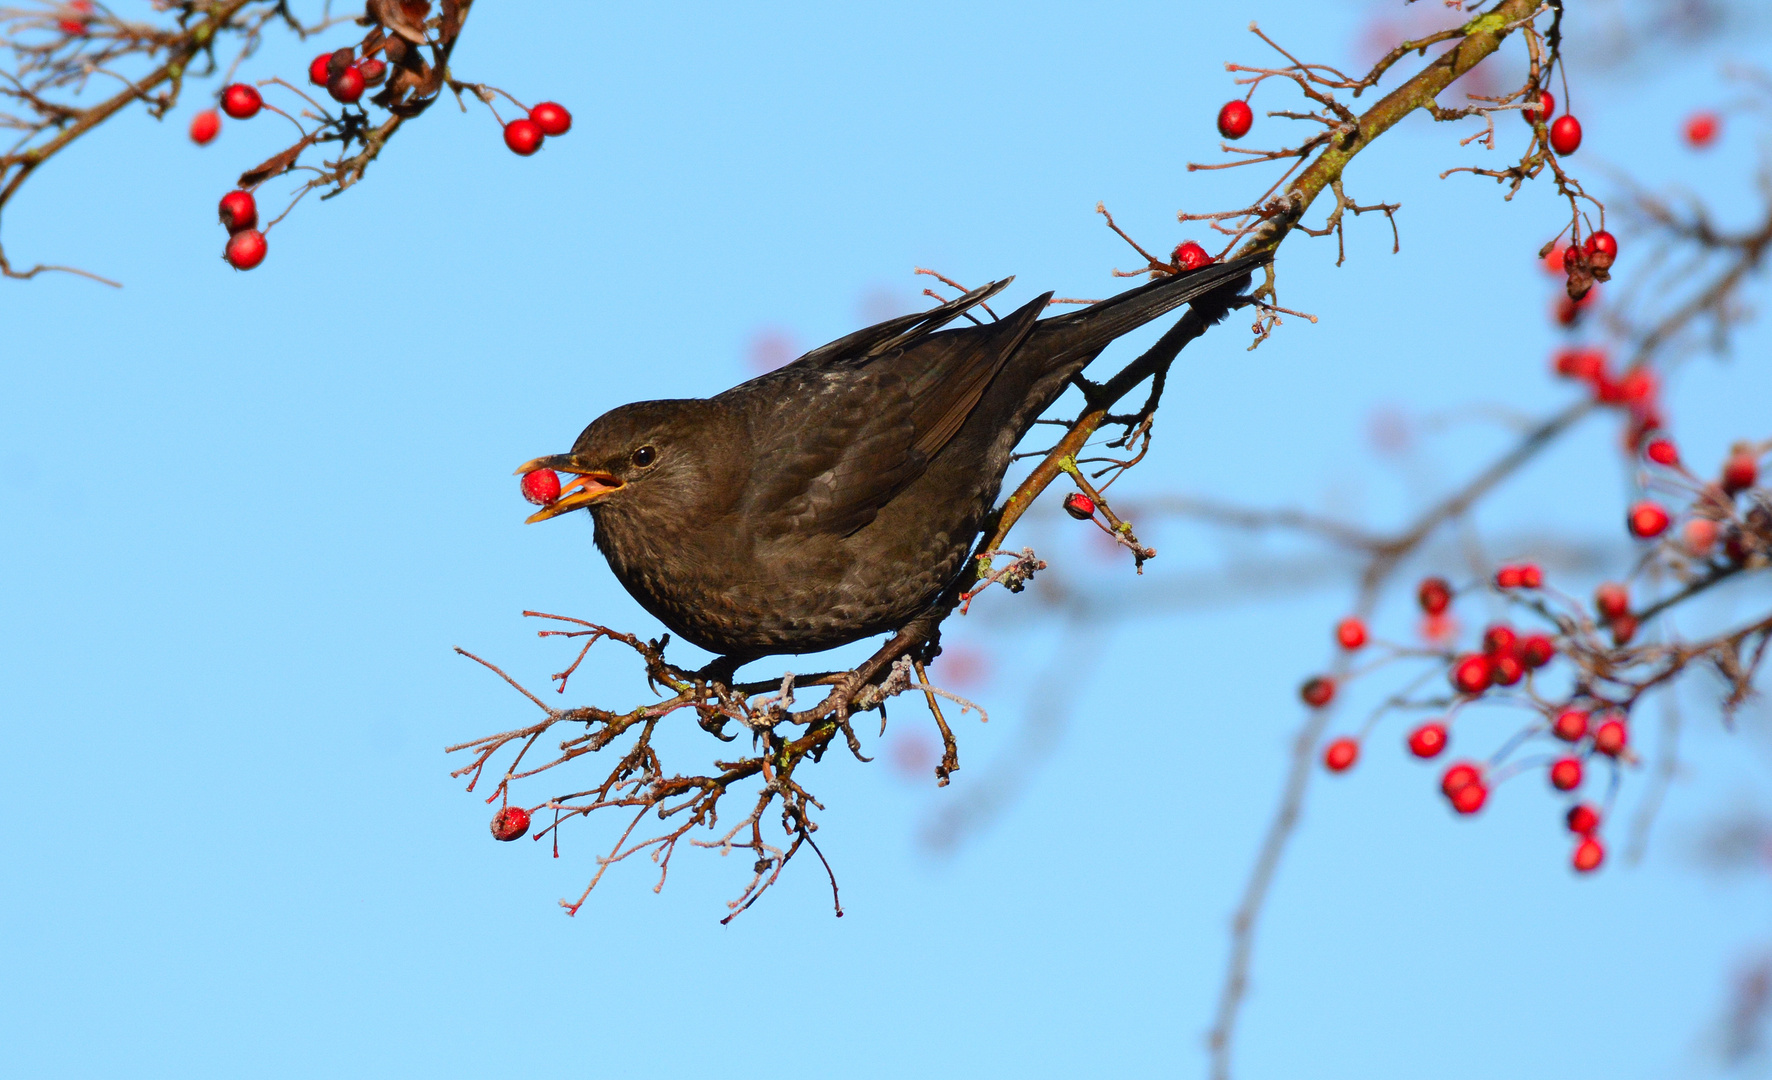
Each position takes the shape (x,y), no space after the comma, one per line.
(247,516)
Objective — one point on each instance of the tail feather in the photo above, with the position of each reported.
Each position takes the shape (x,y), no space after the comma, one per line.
(1090,330)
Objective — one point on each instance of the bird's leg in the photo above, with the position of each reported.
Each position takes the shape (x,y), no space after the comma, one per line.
(720,670)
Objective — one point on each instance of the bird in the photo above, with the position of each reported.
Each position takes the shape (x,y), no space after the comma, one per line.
(838,496)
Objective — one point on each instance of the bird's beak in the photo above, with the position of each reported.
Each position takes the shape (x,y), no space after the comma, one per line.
(590,485)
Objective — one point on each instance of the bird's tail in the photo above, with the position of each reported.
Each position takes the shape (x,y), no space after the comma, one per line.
(1082,334)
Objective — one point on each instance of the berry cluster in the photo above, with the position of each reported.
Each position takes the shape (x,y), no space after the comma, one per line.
(1635,391)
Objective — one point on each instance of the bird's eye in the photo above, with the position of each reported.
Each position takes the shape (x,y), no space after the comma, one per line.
(643,457)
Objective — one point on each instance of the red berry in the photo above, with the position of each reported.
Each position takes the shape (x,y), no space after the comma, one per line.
(1471,675)
(1537,650)
(1079,506)
(320,69)
(1531,577)
(1317,691)
(374,71)
(1553,262)
(73,26)
(1547,105)
(1458,777)
(347,86)
(1610,738)
(241,102)
(1506,669)
(1428,740)
(1611,600)
(1588,855)
(1702,128)
(1662,452)
(1565,774)
(205,126)
(541,487)
(1235,119)
(1189,255)
(1570,725)
(1636,388)
(1500,640)
(1582,819)
(1624,627)
(510,823)
(523,136)
(1508,577)
(1565,135)
(1574,256)
(1340,755)
(1647,520)
(1568,312)
(1587,364)
(246,249)
(239,210)
(552,118)
(1740,472)
(1700,536)
(1434,595)
(1470,798)
(1602,244)
(1350,633)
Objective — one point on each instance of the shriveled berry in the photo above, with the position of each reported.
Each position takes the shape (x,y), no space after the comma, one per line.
(1350,633)
(238,210)
(320,69)
(1508,577)
(1500,640)
(552,118)
(523,136)
(1460,776)
(1317,691)
(1544,110)
(1235,119)
(1582,819)
(246,249)
(1537,650)
(541,487)
(1434,594)
(1470,798)
(1506,669)
(1471,675)
(1079,506)
(510,823)
(1662,452)
(1624,627)
(1565,135)
(1648,520)
(1702,129)
(1611,600)
(1428,740)
(1531,577)
(1610,737)
(1570,725)
(374,71)
(1565,774)
(205,126)
(1588,855)
(1189,255)
(241,102)
(347,86)
(1699,536)
(1340,754)
(1740,472)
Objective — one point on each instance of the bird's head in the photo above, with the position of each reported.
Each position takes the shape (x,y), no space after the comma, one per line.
(651,451)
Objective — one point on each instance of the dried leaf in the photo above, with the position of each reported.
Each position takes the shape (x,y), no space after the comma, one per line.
(277,164)
(396,15)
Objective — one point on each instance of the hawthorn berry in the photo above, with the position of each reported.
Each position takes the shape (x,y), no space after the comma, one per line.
(238,210)
(1611,600)
(1587,364)
(1537,650)
(1189,256)
(1500,640)
(1470,798)
(1434,594)
(1508,577)
(1458,777)
(510,823)
(523,136)
(1547,105)
(1531,577)
(1235,119)
(73,27)
(1588,855)
(1636,388)
(320,69)
(246,249)
(1428,740)
(1079,506)
(1505,669)
(1568,312)
(1350,633)
(1317,691)
(347,86)
(1553,262)
(205,126)
(1624,627)
(1565,774)
(1565,135)
(1702,129)
(1700,536)
(1740,472)
(1662,452)
(1647,520)
(541,487)
(552,118)
(1340,754)
(1610,737)
(241,102)
(1601,250)
(1570,725)
(1582,819)
(374,71)
(1471,675)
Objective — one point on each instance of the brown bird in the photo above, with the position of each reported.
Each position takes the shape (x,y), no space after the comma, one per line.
(837,497)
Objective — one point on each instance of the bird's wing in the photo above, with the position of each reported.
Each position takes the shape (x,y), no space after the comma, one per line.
(837,442)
